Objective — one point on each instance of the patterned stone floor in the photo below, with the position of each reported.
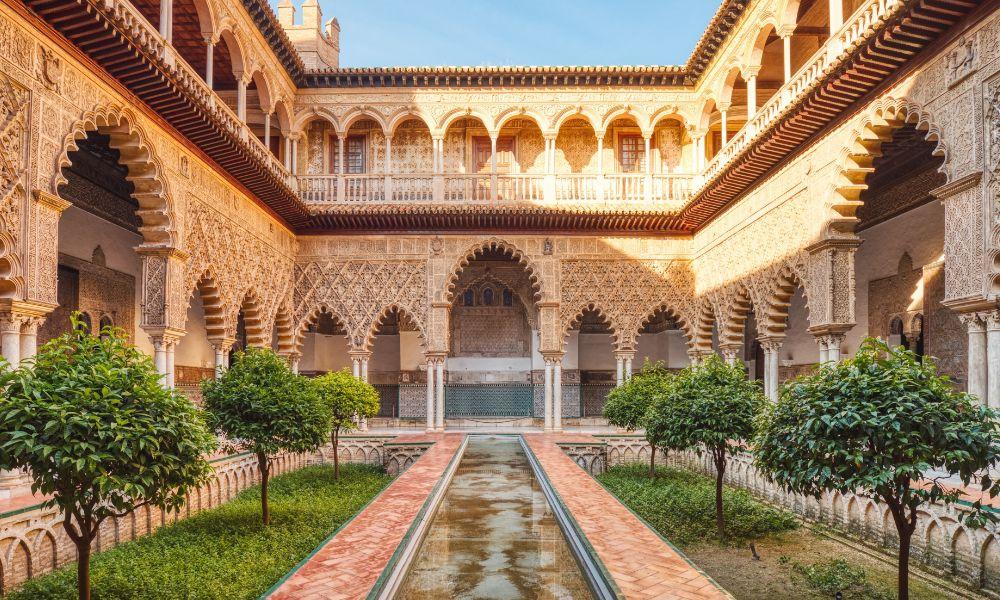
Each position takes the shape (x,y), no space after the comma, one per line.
(350,563)
(640,562)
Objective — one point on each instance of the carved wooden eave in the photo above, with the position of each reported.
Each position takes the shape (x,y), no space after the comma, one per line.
(501,218)
(873,60)
(715,35)
(496,77)
(119,39)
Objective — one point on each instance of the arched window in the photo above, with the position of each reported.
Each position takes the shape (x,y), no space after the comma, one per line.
(508,297)
(896,337)
(468,298)
(488,296)
(106,323)
(87,322)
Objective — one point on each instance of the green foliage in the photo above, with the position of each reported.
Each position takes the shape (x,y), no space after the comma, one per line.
(100,434)
(628,403)
(260,406)
(224,553)
(831,576)
(680,505)
(874,424)
(345,397)
(711,404)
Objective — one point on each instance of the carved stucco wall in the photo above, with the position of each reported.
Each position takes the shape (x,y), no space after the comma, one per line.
(747,248)
(216,224)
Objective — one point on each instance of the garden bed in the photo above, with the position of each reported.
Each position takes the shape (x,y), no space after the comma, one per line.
(225,553)
(795,561)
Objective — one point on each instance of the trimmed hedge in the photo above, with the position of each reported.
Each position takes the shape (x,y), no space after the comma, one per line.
(681,505)
(224,553)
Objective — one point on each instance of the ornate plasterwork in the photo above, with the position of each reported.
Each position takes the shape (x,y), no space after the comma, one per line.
(359,292)
(243,268)
(627,293)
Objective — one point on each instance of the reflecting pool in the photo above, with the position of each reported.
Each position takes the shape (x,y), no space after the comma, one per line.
(494,535)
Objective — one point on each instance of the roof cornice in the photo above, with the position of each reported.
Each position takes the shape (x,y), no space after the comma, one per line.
(715,35)
(505,76)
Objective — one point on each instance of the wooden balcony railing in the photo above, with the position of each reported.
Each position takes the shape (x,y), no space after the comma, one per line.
(659,191)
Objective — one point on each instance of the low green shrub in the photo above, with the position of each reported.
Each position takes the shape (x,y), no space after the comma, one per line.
(681,505)
(831,576)
(224,553)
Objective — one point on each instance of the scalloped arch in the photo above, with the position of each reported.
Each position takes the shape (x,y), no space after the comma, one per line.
(616,328)
(402,311)
(145,171)
(575,111)
(509,249)
(877,126)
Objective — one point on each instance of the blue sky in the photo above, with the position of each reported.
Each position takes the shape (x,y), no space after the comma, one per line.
(517,32)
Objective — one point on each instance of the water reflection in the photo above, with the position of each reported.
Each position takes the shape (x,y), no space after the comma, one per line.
(494,535)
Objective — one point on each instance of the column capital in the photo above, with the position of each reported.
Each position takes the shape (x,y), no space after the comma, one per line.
(554,357)
(990,318)
(785,31)
(749,71)
(975,322)
(771,343)
(624,354)
(11,323)
(223,344)
(730,351)
(360,354)
(165,336)
(723,106)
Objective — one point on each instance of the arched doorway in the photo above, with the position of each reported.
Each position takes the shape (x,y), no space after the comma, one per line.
(494,358)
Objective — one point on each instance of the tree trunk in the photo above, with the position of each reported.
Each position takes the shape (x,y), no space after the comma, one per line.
(652,461)
(264,473)
(903,571)
(335,438)
(83,568)
(904,528)
(720,472)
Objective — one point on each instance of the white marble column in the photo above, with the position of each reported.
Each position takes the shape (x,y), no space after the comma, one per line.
(547,395)
(993,359)
(833,344)
(10,338)
(619,370)
(430,394)
(241,99)
(600,166)
(167,19)
(356,367)
(267,131)
(29,337)
(557,398)
(724,125)
(209,60)
(786,44)
(772,348)
(293,362)
(836,16)
(977,376)
(171,346)
(493,166)
(160,357)
(751,95)
(628,367)
(439,417)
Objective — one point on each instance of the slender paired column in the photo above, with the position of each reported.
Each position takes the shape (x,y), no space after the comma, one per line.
(772,348)
(439,420)
(163,355)
(493,166)
(267,131)
(430,394)
(209,60)
(29,337)
(978,373)
(628,367)
(600,166)
(557,397)
(836,16)
(293,361)
(547,396)
(167,19)
(10,338)
(171,370)
(786,45)
(993,359)
(341,169)
(388,167)
(222,348)
(724,125)
(752,92)
(619,369)
(241,99)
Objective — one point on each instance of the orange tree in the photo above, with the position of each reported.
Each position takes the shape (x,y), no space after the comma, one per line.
(709,407)
(90,421)
(628,403)
(874,425)
(258,405)
(347,399)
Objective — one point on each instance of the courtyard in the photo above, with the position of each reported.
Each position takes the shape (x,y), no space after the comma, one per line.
(286,313)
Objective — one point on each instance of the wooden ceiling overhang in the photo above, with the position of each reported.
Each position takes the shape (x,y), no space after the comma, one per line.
(496,77)
(485,217)
(114,35)
(871,62)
